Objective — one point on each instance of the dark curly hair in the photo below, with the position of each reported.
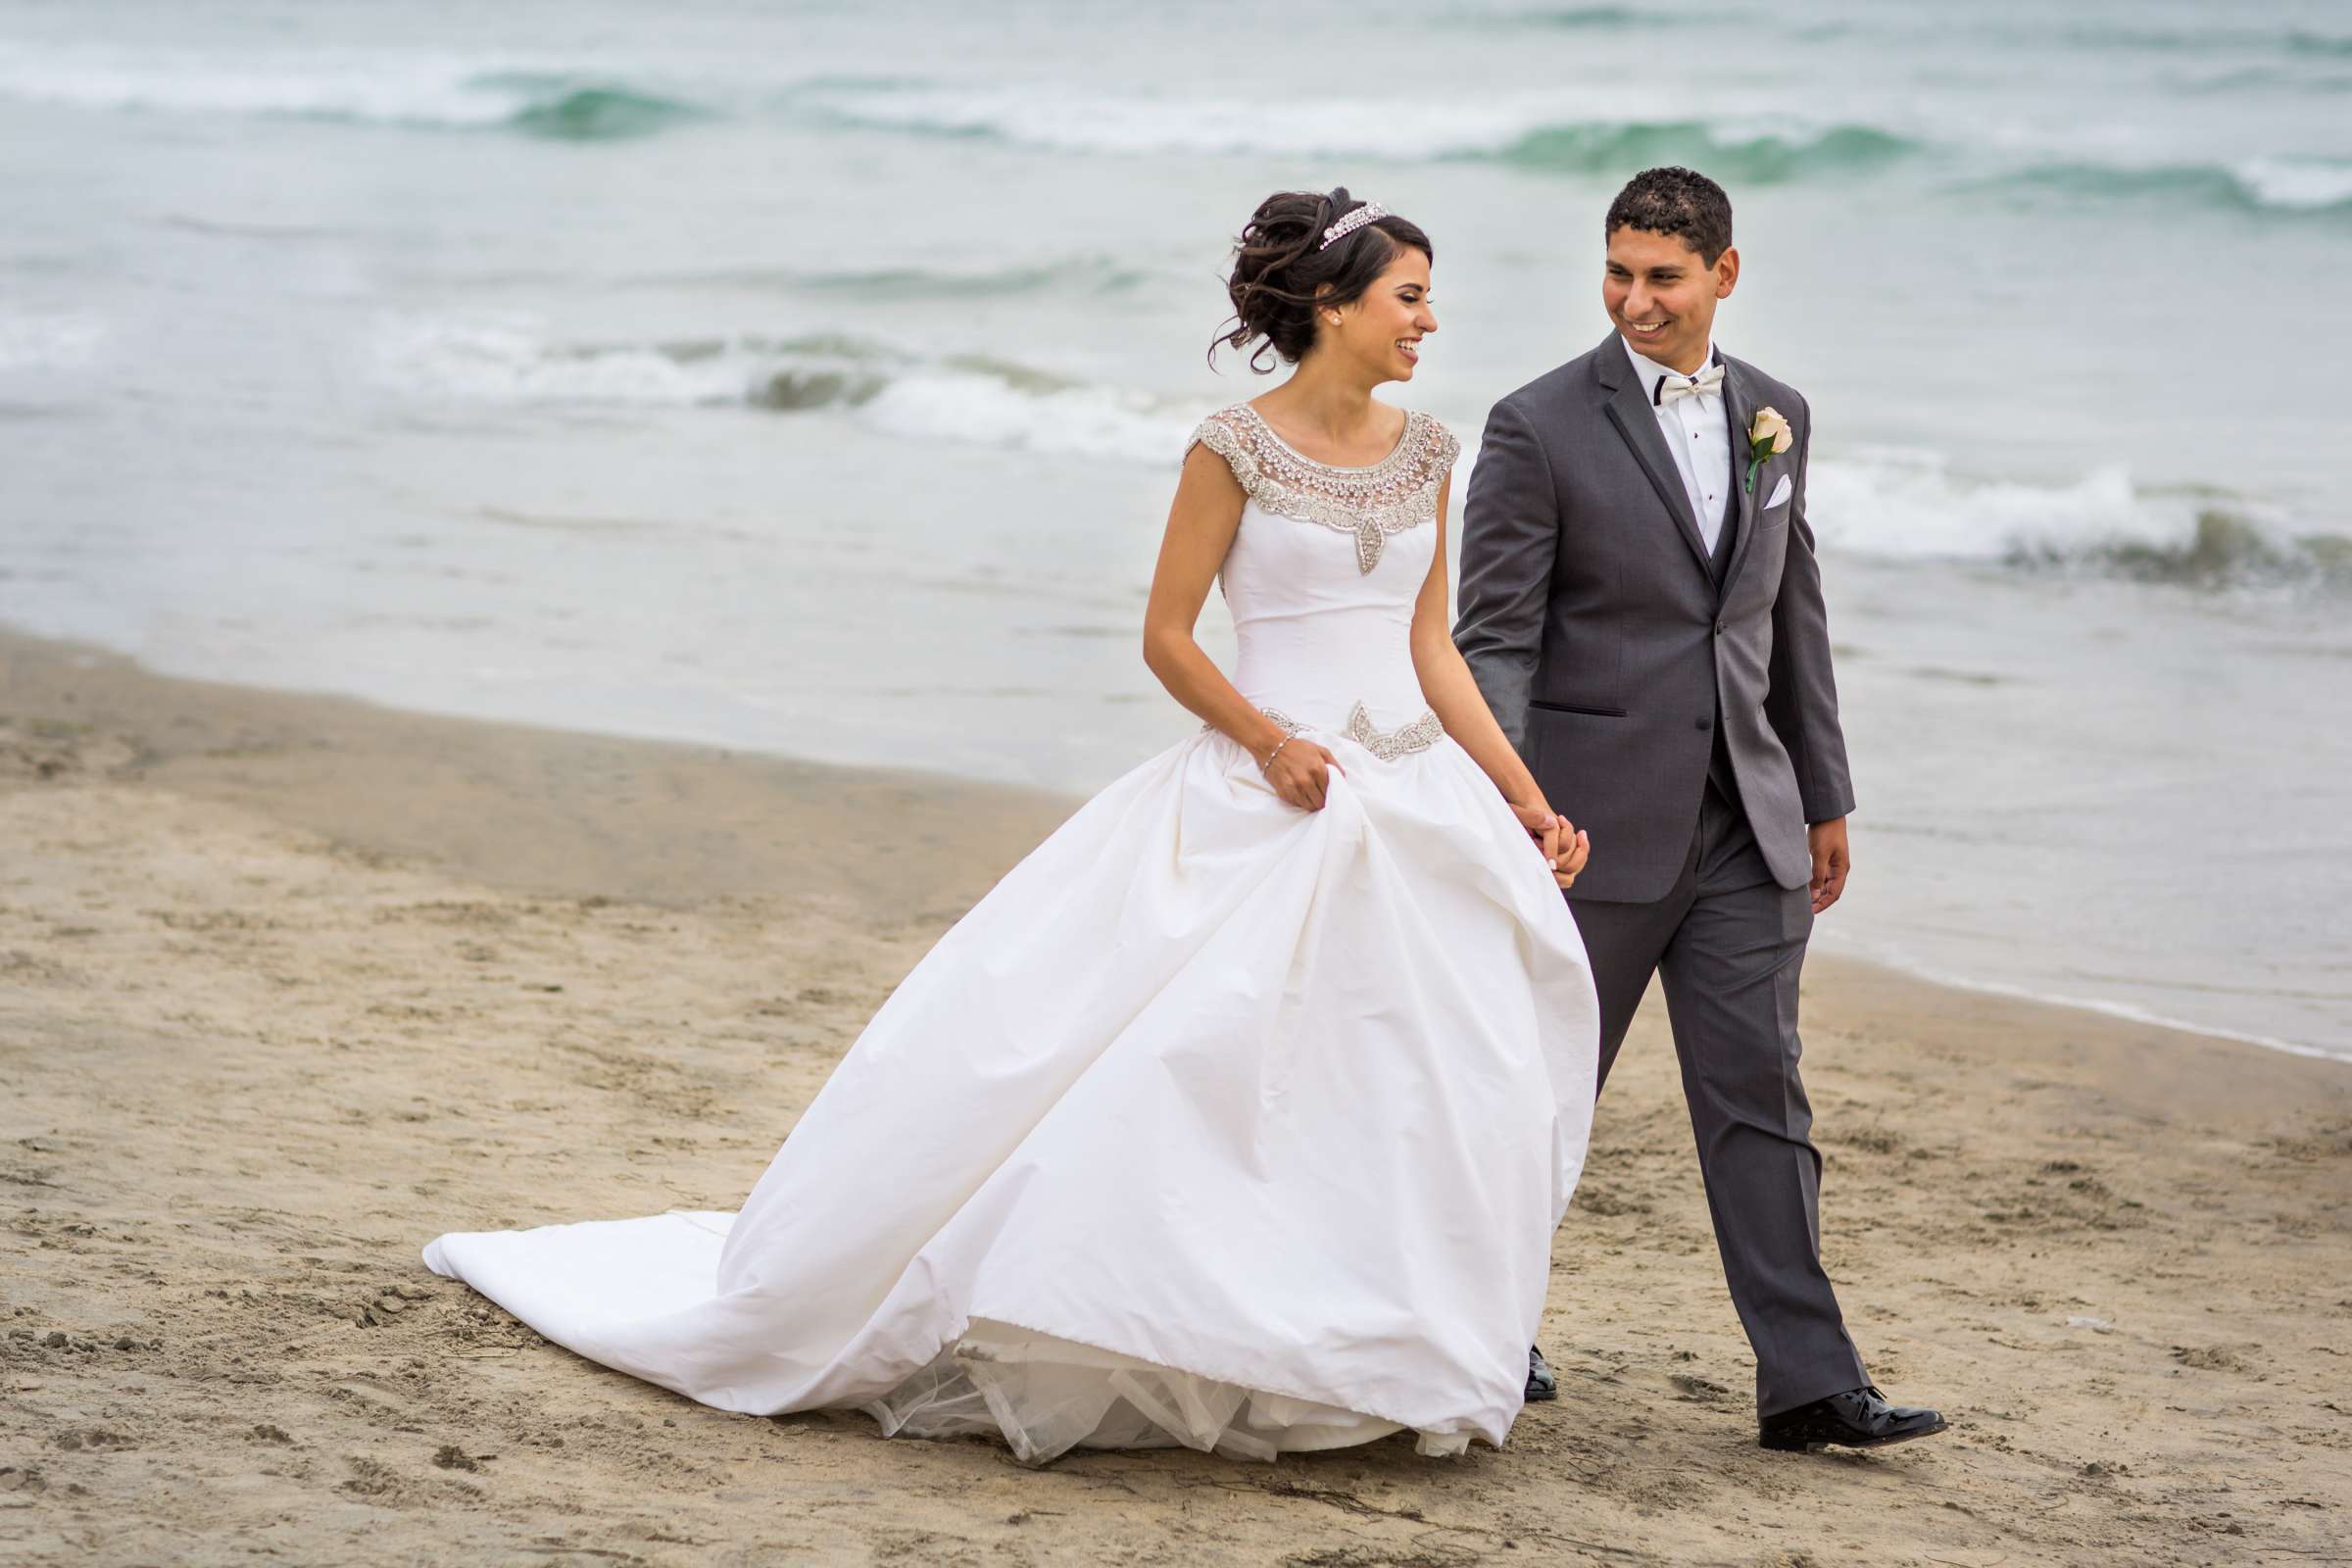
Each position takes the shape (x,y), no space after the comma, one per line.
(1277,270)
(1676,201)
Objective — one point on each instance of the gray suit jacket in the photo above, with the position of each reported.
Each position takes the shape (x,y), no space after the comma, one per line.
(1593,626)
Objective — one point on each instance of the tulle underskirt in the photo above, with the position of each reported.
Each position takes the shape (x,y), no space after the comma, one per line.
(1045,1396)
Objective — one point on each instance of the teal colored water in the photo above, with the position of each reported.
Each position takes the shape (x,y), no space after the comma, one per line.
(812,378)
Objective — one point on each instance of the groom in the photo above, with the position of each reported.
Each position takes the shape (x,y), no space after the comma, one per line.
(1641,607)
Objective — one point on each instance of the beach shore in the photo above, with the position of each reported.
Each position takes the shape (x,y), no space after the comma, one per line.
(290,984)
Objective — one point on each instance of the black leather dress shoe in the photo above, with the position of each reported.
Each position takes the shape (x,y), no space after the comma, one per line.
(1541,1384)
(1860,1418)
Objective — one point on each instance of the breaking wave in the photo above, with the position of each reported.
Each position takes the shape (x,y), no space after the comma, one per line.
(1524,134)
(2278,186)
(1910,504)
(1876,502)
(964,398)
(1553,131)
(436,94)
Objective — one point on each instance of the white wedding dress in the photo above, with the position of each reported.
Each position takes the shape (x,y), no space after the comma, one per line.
(1216,1122)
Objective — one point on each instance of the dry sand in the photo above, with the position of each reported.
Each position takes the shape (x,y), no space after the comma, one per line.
(290,985)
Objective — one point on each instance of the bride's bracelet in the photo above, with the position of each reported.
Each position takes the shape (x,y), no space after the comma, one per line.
(1267,766)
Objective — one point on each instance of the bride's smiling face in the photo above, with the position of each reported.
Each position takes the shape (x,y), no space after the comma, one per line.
(1382,331)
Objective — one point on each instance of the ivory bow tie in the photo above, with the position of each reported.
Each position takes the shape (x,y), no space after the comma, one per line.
(1671,387)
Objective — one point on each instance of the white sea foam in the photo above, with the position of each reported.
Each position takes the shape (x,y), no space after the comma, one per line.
(431,91)
(2291,183)
(510,359)
(1875,501)
(1594,129)
(55,341)
(1088,420)
(426,91)
(1893,502)
(507,360)
(449,91)
(1081,122)
(1593,125)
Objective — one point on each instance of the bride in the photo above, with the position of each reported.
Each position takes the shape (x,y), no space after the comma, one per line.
(1241,1114)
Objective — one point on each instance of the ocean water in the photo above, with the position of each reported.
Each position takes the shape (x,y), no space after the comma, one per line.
(812,379)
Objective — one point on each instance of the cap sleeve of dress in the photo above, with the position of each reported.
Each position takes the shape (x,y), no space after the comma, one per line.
(1445,448)
(1218,433)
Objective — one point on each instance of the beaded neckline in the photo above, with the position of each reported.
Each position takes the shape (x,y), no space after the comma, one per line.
(1371,502)
(1405,439)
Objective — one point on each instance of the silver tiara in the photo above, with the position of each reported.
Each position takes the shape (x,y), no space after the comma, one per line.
(1368,213)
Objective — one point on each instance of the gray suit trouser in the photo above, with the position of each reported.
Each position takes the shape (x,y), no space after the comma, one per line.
(1730,942)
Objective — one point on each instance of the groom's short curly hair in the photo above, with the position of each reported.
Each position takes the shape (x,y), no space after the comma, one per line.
(1676,201)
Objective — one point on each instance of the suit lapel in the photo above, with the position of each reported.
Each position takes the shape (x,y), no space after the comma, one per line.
(1636,419)
(1740,400)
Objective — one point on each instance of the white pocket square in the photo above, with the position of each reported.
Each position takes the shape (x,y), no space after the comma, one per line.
(1780,493)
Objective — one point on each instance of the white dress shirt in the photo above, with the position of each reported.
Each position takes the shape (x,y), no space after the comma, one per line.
(1699,432)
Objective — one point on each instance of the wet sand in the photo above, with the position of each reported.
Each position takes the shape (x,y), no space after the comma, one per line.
(288,985)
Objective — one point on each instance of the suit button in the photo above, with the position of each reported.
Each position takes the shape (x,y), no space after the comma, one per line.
(1703,723)
(1719,628)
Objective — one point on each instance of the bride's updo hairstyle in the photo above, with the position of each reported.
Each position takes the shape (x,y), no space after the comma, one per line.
(1278,268)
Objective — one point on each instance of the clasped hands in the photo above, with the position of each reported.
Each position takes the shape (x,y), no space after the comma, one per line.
(1300,771)
(1565,846)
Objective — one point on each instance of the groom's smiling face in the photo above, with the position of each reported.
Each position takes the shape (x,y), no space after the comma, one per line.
(1661,294)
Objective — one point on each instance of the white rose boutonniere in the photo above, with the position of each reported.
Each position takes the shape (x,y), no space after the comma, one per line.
(1767,437)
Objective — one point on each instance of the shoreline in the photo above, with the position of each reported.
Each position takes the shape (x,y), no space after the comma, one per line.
(2121,1011)
(49,679)
(315,760)
(294,984)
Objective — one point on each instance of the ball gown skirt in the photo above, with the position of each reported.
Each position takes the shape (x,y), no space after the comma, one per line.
(1216,1122)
